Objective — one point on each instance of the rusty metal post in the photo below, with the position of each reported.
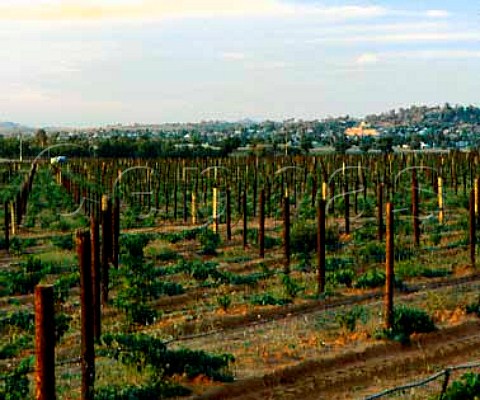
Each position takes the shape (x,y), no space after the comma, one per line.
(380,211)
(473,227)
(415,210)
(389,268)
(7,226)
(229,214)
(106,248)
(86,315)
(245,217)
(261,228)
(286,234)
(321,245)
(44,343)
(95,247)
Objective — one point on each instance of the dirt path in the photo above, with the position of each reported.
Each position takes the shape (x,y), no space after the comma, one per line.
(358,373)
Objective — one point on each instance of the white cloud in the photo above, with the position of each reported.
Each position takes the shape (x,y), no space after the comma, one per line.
(468,36)
(367,58)
(380,57)
(437,13)
(234,56)
(154,9)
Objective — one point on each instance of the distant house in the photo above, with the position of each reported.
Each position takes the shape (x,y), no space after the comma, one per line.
(362,130)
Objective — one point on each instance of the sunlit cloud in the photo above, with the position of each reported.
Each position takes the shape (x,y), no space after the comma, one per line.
(367,58)
(437,13)
(154,9)
(411,37)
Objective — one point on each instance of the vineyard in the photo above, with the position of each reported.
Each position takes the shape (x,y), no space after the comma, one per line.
(241,277)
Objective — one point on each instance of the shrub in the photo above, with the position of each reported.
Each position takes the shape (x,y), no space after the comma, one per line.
(371,279)
(348,320)
(409,320)
(266,299)
(466,389)
(65,242)
(224,301)
(209,242)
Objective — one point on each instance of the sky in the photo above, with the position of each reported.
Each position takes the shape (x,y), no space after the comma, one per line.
(98,62)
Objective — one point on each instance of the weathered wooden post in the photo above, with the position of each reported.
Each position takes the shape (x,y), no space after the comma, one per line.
(96,298)
(214,209)
(472,227)
(116,231)
(389,268)
(229,214)
(346,203)
(321,245)
(286,234)
(245,216)
(86,315)
(7,226)
(440,200)
(415,210)
(261,228)
(194,208)
(44,343)
(106,247)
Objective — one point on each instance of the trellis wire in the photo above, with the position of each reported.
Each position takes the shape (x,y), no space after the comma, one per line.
(445,374)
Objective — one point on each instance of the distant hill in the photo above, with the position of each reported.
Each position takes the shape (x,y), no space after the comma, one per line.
(8,127)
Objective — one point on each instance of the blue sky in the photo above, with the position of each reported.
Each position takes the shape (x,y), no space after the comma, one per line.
(97,62)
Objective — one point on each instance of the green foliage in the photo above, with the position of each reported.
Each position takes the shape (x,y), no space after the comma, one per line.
(291,286)
(22,319)
(409,320)
(132,246)
(209,242)
(303,237)
(371,279)
(468,388)
(152,391)
(348,320)
(224,301)
(63,285)
(15,345)
(372,252)
(267,299)
(16,383)
(62,325)
(65,242)
(141,350)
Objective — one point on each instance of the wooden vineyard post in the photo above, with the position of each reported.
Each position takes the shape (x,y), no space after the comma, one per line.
(7,226)
(106,247)
(389,270)
(229,214)
(415,210)
(440,200)
(86,315)
(214,211)
(321,245)
(472,227)
(116,231)
(96,298)
(12,218)
(245,216)
(261,229)
(477,199)
(346,203)
(185,209)
(44,343)
(194,208)
(380,211)
(286,234)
